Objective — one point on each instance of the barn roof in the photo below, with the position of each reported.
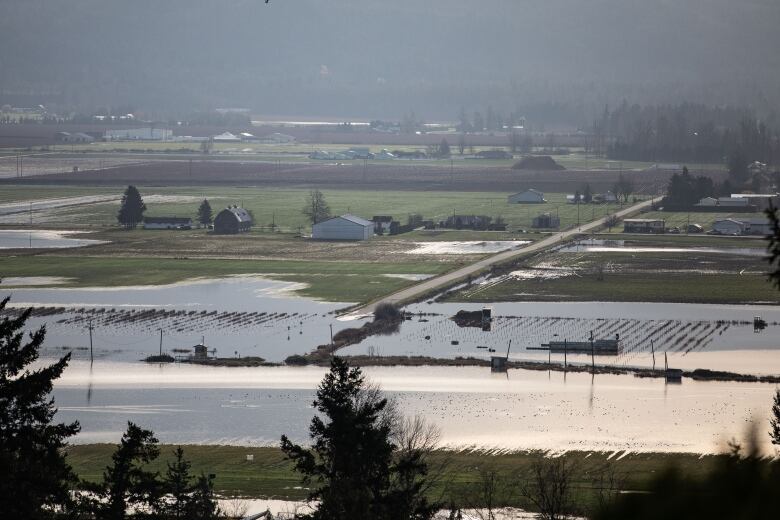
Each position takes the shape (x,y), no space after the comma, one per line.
(241,214)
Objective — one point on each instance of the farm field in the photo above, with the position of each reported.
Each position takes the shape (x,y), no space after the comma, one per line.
(330,281)
(694,271)
(269,475)
(282,207)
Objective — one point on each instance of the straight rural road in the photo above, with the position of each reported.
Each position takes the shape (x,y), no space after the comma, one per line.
(410,293)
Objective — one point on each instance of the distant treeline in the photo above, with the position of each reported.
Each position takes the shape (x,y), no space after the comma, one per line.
(686,133)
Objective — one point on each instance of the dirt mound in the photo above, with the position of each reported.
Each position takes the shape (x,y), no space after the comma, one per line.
(537,162)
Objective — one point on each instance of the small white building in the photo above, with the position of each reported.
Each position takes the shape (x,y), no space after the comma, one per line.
(729,226)
(226,137)
(531,196)
(167,223)
(345,227)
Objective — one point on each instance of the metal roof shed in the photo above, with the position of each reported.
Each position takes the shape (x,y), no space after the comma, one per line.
(345,227)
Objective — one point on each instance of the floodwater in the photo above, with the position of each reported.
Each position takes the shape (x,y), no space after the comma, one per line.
(465,248)
(243,315)
(718,337)
(618,246)
(473,408)
(42,239)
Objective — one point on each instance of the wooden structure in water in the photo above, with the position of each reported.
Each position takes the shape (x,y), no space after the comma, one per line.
(498,363)
(600,347)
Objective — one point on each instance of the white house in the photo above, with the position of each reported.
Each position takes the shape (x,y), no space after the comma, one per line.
(729,226)
(708,201)
(345,227)
(167,223)
(531,196)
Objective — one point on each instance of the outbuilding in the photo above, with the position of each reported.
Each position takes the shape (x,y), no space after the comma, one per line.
(167,223)
(643,225)
(232,220)
(345,227)
(531,196)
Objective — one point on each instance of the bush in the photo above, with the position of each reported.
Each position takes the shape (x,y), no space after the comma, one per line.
(296,360)
(387,311)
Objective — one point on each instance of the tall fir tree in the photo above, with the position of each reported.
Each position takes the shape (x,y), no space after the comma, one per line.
(353,467)
(35,478)
(205,213)
(126,482)
(131,211)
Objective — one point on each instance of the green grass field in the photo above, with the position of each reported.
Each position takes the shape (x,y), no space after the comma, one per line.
(331,281)
(269,475)
(283,206)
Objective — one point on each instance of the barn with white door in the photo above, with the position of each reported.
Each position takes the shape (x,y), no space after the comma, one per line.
(345,227)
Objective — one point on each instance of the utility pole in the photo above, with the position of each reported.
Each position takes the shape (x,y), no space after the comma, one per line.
(331,334)
(161,333)
(592,354)
(565,354)
(91,354)
(652,349)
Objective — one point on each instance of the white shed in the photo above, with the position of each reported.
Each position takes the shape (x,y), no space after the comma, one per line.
(527,197)
(345,227)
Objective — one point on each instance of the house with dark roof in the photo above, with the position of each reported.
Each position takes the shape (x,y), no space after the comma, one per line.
(232,220)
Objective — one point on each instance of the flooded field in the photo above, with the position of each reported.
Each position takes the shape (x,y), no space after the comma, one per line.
(619,246)
(42,239)
(719,337)
(465,248)
(246,316)
(471,406)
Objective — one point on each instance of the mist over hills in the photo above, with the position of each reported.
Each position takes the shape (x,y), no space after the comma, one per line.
(371,58)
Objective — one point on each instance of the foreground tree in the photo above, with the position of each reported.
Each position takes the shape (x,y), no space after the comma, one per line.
(35,478)
(354,467)
(131,211)
(774,422)
(183,498)
(126,483)
(316,209)
(773,248)
(205,213)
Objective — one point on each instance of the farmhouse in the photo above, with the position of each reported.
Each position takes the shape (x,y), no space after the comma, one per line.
(167,223)
(729,226)
(643,225)
(546,221)
(531,196)
(232,220)
(345,227)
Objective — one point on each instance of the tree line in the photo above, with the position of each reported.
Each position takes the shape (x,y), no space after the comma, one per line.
(685,133)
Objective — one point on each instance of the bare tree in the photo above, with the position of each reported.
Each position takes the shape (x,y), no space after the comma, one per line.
(548,486)
(316,209)
(607,482)
(487,494)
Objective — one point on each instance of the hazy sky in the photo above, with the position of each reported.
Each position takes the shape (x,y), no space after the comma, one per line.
(376,58)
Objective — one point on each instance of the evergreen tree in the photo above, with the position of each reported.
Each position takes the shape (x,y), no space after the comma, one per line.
(131,212)
(177,486)
(316,209)
(202,503)
(774,423)
(125,482)
(204,213)
(353,467)
(444,148)
(34,476)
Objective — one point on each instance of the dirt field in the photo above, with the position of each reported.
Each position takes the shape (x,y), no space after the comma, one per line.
(54,165)
(352,175)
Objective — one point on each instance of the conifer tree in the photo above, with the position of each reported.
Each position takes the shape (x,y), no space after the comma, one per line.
(35,478)
(205,213)
(131,211)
